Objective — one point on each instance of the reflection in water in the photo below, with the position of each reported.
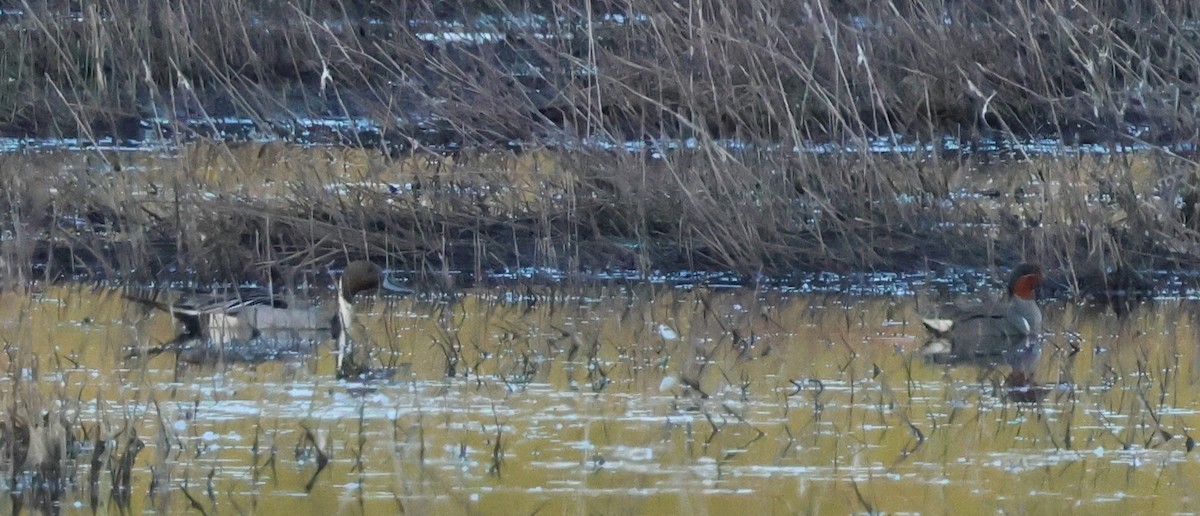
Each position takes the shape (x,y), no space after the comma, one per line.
(604,400)
(275,346)
(1014,357)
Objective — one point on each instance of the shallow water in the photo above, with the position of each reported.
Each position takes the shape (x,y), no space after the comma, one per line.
(580,402)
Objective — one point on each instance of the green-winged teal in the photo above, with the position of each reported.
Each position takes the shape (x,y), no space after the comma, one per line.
(991,327)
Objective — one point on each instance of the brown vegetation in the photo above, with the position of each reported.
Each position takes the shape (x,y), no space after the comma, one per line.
(437,197)
(293,211)
(474,71)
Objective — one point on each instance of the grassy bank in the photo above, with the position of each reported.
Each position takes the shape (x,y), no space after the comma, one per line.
(235,212)
(449,83)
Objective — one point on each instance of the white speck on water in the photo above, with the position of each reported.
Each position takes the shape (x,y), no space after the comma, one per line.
(667,383)
(667,333)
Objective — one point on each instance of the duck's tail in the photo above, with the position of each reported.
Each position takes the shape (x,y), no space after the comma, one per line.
(938,328)
(143,299)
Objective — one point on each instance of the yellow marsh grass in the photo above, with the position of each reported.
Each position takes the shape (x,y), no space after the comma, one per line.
(275,169)
(819,410)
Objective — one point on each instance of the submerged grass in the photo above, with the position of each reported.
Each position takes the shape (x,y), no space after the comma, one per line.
(567,397)
(50,435)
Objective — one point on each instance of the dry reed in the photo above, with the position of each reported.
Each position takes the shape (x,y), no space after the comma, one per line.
(720,94)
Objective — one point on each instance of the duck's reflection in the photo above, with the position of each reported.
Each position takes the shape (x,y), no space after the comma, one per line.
(290,345)
(1015,358)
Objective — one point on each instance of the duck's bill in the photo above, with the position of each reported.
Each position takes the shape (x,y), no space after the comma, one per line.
(392,288)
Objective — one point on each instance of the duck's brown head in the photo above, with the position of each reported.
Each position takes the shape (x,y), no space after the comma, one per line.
(360,276)
(1024,281)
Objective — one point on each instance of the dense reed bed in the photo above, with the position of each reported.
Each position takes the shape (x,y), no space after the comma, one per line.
(280,212)
(498,128)
(478,71)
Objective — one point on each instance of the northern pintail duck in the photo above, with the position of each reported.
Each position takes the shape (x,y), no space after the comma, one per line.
(224,320)
(991,328)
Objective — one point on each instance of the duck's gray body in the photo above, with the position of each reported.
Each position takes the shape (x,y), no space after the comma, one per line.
(990,329)
(226,320)
(261,325)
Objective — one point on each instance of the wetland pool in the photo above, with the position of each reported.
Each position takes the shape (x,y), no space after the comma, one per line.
(604,400)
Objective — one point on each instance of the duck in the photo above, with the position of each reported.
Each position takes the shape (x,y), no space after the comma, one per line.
(991,328)
(262,317)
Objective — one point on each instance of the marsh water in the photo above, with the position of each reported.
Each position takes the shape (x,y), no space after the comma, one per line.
(615,400)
